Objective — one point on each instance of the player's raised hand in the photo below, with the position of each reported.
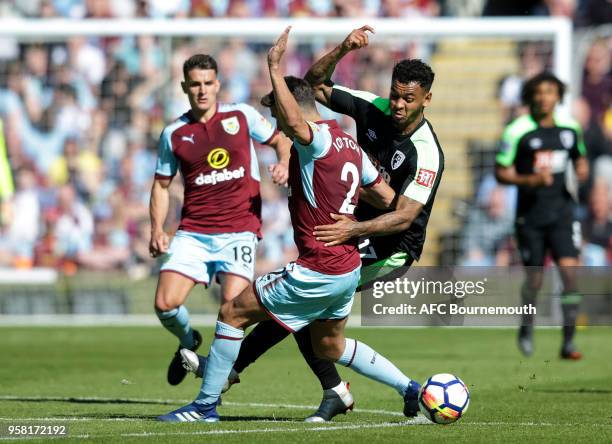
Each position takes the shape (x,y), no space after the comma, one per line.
(358,38)
(276,52)
(279,173)
(338,233)
(159,243)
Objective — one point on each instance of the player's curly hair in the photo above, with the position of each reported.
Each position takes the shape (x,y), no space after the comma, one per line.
(199,61)
(413,70)
(530,86)
(301,90)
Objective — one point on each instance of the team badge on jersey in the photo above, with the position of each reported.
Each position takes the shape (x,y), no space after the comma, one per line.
(397,159)
(567,139)
(535,143)
(231,125)
(425,177)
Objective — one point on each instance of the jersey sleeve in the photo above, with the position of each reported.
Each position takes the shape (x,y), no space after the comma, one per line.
(166,161)
(578,149)
(320,144)
(356,104)
(427,175)
(369,173)
(507,149)
(260,128)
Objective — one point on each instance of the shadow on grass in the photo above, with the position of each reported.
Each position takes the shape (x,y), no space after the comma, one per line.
(88,400)
(579,391)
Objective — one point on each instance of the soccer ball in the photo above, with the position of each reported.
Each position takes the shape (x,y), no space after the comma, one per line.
(444,398)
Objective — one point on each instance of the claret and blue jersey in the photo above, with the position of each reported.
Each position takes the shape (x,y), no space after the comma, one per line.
(324,178)
(219,168)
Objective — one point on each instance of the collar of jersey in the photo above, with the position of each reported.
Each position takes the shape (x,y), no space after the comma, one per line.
(214,116)
(331,123)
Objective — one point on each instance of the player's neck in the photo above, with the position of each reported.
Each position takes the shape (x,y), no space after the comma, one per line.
(311,116)
(544,120)
(409,128)
(206,115)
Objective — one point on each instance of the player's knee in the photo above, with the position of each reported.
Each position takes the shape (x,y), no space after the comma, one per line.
(328,348)
(164,304)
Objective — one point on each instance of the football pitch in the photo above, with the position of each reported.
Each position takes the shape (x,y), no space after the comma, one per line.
(108,385)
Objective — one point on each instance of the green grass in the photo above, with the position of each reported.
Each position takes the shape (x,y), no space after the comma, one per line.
(116,377)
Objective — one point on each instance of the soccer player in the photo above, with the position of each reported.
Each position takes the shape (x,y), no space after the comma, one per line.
(535,155)
(220,222)
(326,169)
(398,138)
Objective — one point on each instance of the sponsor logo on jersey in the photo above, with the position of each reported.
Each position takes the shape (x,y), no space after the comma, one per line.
(231,125)
(554,161)
(567,139)
(218,158)
(371,135)
(535,143)
(397,159)
(425,177)
(219,176)
(188,139)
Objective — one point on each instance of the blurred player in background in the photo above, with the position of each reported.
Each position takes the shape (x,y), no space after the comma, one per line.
(536,152)
(405,149)
(326,169)
(220,222)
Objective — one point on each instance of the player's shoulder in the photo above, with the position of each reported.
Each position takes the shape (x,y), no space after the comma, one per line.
(176,124)
(425,138)
(520,126)
(565,121)
(374,101)
(241,107)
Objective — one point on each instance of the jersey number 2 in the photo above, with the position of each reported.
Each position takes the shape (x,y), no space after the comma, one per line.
(349,169)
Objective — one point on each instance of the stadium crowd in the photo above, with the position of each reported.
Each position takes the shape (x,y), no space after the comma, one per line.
(81,120)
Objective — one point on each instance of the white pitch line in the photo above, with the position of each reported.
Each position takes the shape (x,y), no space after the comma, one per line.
(270,430)
(184,401)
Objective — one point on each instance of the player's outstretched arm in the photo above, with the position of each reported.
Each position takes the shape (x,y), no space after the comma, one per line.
(289,111)
(393,222)
(158,210)
(319,74)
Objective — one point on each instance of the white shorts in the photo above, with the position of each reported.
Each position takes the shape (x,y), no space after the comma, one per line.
(201,256)
(295,296)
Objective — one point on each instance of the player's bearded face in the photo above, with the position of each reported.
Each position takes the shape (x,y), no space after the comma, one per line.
(545,98)
(407,102)
(201,87)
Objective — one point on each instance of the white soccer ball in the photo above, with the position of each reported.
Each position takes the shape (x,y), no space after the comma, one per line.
(444,398)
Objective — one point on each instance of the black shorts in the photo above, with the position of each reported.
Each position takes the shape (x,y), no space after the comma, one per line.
(561,239)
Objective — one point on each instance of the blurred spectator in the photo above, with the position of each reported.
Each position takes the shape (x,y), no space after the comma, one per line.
(73,228)
(597,78)
(594,140)
(556,8)
(597,229)
(6,181)
(489,226)
(410,8)
(17,242)
(506,8)
(594,13)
